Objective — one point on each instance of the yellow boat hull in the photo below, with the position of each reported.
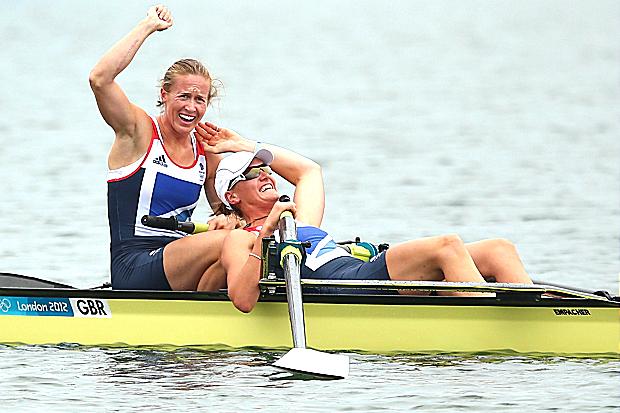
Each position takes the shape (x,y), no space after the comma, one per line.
(413,325)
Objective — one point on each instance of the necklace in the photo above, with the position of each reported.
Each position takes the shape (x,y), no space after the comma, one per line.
(257,219)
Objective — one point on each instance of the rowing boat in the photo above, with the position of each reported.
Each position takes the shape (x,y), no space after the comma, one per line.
(513,318)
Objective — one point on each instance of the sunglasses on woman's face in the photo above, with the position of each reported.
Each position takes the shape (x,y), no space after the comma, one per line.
(249,174)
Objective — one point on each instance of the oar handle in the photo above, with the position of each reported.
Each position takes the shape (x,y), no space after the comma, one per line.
(291,263)
(287,226)
(199,227)
(172,224)
(285,198)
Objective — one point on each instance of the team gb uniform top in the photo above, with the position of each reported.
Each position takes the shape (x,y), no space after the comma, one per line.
(153,185)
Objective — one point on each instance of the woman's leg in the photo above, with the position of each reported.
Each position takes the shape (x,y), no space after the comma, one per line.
(498,258)
(192,263)
(432,259)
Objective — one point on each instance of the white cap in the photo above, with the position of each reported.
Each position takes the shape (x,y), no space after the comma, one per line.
(233,166)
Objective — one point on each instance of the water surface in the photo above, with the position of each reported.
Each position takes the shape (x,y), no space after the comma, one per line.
(486,119)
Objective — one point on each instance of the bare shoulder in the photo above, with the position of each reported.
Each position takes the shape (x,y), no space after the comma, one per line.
(132,143)
(236,246)
(238,237)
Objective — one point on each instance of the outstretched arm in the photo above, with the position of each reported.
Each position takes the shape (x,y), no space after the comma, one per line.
(124,117)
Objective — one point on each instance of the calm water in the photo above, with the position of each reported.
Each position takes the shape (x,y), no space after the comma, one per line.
(488,119)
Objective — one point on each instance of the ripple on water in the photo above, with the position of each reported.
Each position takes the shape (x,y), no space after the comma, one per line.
(193,379)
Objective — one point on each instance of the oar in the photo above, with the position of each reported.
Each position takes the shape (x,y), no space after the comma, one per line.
(173,224)
(300,358)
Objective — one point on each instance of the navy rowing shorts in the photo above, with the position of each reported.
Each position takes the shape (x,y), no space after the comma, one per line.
(350,268)
(139,269)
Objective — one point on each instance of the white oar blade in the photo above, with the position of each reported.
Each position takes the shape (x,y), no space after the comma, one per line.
(310,361)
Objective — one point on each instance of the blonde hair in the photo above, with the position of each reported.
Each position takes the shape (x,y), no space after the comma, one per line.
(188,67)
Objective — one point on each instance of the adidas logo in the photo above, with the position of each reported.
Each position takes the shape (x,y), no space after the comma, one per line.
(161,160)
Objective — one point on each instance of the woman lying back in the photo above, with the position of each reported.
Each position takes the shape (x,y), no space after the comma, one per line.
(245,183)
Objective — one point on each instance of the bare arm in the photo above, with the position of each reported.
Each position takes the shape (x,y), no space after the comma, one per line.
(242,268)
(307,177)
(130,123)
(212,161)
(215,141)
(300,171)
(219,221)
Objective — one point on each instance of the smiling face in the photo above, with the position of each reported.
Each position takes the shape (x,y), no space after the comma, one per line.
(252,196)
(185,103)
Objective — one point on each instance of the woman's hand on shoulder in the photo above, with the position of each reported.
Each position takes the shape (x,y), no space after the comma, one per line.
(223,222)
(159,17)
(218,140)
